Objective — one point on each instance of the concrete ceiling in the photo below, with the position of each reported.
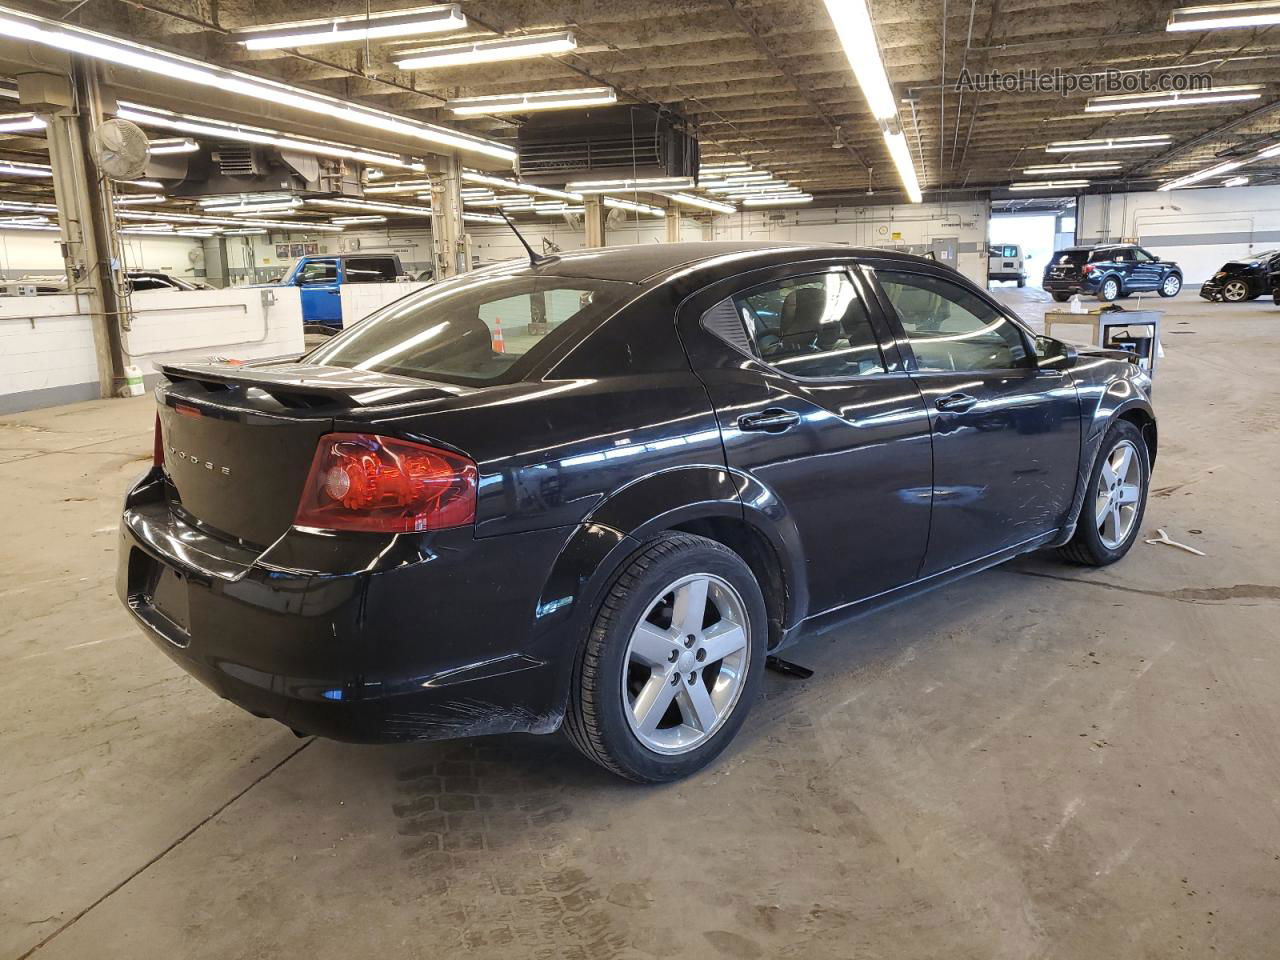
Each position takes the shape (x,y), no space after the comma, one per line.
(767,80)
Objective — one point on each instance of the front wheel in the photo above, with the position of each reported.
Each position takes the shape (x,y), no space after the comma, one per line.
(1235,291)
(672,662)
(1109,290)
(1172,284)
(1115,499)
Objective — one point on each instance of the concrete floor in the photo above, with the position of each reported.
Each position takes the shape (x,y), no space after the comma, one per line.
(1043,761)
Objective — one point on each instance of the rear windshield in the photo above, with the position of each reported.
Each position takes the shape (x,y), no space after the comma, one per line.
(1071,257)
(475,330)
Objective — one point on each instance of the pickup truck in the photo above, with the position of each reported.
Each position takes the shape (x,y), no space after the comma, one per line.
(319,280)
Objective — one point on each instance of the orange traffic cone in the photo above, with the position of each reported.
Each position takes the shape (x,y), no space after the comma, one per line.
(499,344)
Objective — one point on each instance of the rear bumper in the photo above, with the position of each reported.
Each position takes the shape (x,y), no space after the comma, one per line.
(1074,285)
(425,636)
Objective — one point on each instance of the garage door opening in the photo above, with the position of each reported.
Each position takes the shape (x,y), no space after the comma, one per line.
(1033,234)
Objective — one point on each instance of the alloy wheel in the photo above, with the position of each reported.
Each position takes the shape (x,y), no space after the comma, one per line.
(1235,291)
(686,664)
(1110,290)
(1171,286)
(1118,493)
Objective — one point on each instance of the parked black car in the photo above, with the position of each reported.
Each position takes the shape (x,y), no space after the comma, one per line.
(1108,271)
(1246,279)
(412,533)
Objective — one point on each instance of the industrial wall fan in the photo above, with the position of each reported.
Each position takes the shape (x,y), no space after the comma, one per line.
(120,149)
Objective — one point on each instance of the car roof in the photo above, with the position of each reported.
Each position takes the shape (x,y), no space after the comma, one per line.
(653,262)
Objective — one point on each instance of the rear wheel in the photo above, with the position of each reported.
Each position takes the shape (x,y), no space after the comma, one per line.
(672,663)
(1172,284)
(1062,297)
(1234,291)
(1109,290)
(1115,499)
(1022,283)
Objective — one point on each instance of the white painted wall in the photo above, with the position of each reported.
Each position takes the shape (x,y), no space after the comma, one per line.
(1200,229)
(46,343)
(36,252)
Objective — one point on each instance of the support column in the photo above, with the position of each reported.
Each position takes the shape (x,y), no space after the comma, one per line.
(450,246)
(673,224)
(216,272)
(72,109)
(593,220)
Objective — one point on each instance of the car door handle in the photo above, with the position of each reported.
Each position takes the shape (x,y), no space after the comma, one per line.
(956,402)
(773,420)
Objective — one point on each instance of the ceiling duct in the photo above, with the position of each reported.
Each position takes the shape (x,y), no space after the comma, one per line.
(640,141)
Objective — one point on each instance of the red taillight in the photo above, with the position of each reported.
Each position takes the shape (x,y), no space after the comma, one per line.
(359,481)
(157,451)
(1087,268)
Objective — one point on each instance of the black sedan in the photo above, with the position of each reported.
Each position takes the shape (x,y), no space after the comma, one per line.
(1246,279)
(1108,271)
(596,492)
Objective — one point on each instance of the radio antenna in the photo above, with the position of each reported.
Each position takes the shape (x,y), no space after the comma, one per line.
(535,259)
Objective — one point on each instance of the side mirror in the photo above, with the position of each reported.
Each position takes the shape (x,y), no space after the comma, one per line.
(1155,259)
(1053,354)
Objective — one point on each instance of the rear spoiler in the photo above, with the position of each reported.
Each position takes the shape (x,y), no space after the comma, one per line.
(309,385)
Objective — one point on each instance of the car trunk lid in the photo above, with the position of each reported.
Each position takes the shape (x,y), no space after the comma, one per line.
(238,441)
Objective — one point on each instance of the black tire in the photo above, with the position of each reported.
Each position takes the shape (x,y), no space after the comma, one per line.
(1086,546)
(1177,287)
(1062,297)
(1109,290)
(595,721)
(1022,283)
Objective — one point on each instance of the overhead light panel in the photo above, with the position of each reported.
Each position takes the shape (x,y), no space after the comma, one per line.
(644,184)
(20,123)
(400,186)
(191,219)
(16,168)
(345,203)
(145,184)
(529,102)
(613,203)
(488,51)
(1050,185)
(471,176)
(357,221)
(557,212)
(701,203)
(171,67)
(1176,100)
(1110,143)
(131,200)
(900,153)
(788,200)
(168,145)
(1220,169)
(1052,168)
(203,126)
(1225,16)
(439,18)
(482,218)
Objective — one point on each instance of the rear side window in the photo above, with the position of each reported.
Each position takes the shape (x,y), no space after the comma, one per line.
(370,270)
(319,271)
(814,326)
(477,329)
(949,327)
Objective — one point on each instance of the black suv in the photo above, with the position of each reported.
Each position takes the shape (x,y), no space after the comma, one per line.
(1247,279)
(1108,271)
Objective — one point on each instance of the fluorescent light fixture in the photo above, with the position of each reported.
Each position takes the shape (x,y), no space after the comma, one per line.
(1225,16)
(373,26)
(1050,185)
(154,117)
(18,206)
(1051,168)
(644,184)
(852,20)
(171,67)
(482,218)
(565,209)
(32,218)
(1174,100)
(487,51)
(613,203)
(169,145)
(528,102)
(788,200)
(1217,170)
(701,203)
(717,169)
(1110,143)
(130,200)
(471,176)
(20,123)
(244,199)
(900,153)
(246,232)
(191,219)
(16,168)
(1235,182)
(145,184)
(400,186)
(345,203)
(357,221)
(857,32)
(747,188)
(28,226)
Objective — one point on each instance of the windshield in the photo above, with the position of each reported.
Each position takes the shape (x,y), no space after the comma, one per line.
(474,329)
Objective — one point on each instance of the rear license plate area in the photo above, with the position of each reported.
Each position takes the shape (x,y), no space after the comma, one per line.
(160,595)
